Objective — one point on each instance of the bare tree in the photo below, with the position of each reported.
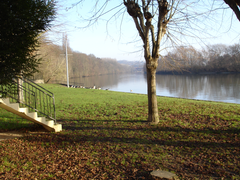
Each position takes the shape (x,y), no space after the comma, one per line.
(151,19)
(53,65)
(143,21)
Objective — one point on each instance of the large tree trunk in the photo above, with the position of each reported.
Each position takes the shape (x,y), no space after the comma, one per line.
(152,96)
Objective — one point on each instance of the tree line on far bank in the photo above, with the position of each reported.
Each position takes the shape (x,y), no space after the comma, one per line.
(213,58)
(53,64)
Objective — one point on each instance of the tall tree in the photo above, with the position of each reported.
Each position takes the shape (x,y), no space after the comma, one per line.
(151,19)
(142,18)
(20,25)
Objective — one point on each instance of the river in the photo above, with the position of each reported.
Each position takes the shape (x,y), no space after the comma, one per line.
(210,87)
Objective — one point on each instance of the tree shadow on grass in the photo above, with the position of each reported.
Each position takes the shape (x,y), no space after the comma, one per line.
(90,120)
(72,134)
(69,125)
(18,126)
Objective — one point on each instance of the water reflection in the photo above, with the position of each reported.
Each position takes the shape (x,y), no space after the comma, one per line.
(219,87)
(181,86)
(99,81)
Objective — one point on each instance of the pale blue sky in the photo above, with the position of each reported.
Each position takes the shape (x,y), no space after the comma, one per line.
(116,41)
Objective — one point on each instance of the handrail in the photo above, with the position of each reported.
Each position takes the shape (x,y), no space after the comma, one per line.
(29,94)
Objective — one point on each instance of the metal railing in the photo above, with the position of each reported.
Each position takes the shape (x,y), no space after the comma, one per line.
(31,95)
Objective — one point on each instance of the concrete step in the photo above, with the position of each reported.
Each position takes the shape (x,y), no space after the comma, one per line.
(23,110)
(31,116)
(14,106)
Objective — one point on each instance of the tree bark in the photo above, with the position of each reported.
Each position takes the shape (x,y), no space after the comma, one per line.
(152,96)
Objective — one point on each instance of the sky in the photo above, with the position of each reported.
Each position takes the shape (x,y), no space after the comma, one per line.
(119,38)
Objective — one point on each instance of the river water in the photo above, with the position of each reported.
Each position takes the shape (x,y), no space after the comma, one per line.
(211,87)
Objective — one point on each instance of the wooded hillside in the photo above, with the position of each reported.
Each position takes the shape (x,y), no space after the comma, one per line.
(53,64)
(213,58)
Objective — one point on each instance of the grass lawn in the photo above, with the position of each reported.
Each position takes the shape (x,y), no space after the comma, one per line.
(106,136)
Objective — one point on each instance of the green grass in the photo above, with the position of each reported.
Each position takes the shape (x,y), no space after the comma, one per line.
(106,136)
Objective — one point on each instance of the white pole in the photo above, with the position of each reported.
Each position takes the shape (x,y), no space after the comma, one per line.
(67,64)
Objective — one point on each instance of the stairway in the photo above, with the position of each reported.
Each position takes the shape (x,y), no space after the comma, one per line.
(31,116)
(29,100)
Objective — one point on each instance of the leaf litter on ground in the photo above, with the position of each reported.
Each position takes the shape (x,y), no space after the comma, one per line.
(106,136)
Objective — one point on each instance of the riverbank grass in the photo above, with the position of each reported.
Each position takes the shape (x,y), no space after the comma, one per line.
(106,136)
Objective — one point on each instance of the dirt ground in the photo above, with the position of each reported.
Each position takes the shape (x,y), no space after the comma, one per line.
(10,135)
(19,133)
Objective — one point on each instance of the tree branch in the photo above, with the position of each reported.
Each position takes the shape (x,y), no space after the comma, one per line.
(139,28)
(162,23)
(134,11)
(153,38)
(233,4)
